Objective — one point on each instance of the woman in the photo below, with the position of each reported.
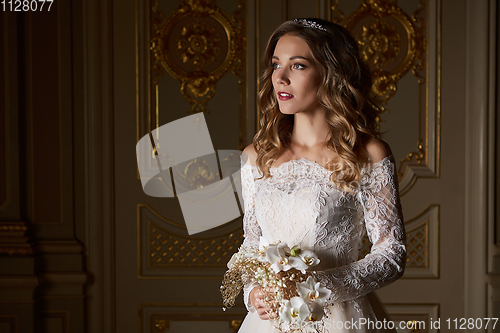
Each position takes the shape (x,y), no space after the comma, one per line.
(318,176)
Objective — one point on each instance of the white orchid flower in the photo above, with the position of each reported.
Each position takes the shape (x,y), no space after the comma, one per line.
(313,291)
(286,312)
(294,310)
(299,309)
(298,263)
(302,259)
(316,311)
(278,256)
(309,258)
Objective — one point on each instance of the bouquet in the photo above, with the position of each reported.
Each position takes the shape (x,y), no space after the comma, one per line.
(295,298)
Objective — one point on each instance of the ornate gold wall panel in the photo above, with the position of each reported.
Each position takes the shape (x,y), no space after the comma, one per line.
(197,44)
(166,250)
(394,42)
(390,42)
(422,233)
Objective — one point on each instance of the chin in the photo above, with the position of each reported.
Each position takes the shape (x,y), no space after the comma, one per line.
(286,111)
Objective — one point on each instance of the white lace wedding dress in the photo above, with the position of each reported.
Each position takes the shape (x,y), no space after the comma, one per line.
(300,206)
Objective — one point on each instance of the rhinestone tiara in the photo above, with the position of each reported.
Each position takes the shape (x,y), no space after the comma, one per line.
(310,24)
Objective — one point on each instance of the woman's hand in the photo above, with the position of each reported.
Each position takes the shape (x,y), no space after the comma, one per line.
(256,300)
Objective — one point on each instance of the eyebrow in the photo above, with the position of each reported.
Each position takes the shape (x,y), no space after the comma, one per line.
(292,58)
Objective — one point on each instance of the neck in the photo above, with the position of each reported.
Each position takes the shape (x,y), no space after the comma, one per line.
(310,130)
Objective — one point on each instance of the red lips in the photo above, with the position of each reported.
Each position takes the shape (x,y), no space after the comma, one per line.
(284,96)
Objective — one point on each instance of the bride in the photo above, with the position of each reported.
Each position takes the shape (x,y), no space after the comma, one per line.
(318,176)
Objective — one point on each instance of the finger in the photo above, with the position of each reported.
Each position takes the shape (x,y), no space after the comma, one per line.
(264,317)
(262,312)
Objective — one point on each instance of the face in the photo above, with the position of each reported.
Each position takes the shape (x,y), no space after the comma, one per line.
(295,76)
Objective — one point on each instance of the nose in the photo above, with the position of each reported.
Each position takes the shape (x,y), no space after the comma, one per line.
(282,77)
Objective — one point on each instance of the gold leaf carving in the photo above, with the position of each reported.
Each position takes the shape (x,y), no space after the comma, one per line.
(196,174)
(198,44)
(379,43)
(391,42)
(16,251)
(417,247)
(13,239)
(161,325)
(336,14)
(235,325)
(167,250)
(13,227)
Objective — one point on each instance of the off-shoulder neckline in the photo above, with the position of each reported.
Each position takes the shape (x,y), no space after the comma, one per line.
(387,158)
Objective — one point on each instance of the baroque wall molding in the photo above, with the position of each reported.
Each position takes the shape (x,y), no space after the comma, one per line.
(198,44)
(390,42)
(14,241)
(423,244)
(394,43)
(167,251)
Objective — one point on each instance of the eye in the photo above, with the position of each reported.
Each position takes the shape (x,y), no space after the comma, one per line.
(275,65)
(299,66)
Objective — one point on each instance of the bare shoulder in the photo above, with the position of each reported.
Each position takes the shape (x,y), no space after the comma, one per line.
(377,150)
(249,154)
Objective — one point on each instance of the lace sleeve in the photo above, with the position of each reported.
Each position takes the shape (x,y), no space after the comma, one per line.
(251,228)
(384,224)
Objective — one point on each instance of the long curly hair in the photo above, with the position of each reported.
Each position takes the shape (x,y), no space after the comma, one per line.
(344,91)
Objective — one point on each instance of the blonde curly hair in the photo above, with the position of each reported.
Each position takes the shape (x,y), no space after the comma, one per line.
(344,91)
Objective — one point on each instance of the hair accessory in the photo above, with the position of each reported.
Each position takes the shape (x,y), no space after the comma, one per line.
(310,24)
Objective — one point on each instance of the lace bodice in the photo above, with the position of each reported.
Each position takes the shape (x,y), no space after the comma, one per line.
(300,206)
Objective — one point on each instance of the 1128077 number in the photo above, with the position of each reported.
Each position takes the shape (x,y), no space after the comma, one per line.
(471,323)
(26,5)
